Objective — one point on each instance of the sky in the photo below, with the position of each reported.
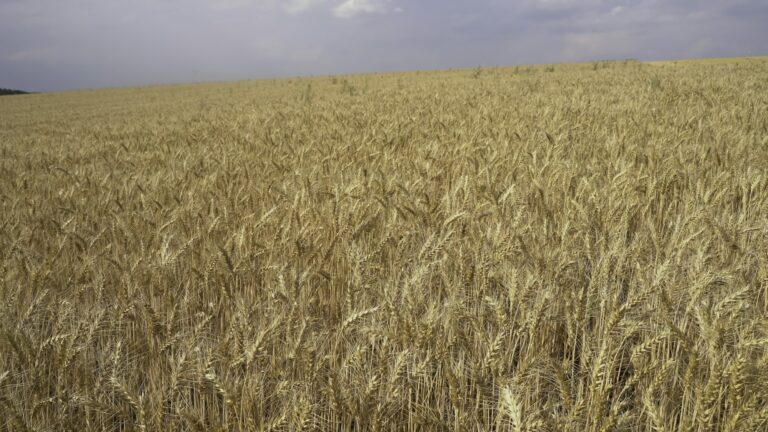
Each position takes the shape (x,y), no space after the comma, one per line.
(51,45)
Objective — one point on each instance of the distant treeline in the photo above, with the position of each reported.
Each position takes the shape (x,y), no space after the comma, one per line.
(7,92)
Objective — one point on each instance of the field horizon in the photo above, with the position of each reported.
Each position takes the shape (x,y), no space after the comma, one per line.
(664,62)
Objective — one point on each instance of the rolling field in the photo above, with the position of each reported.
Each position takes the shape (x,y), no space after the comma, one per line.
(546,248)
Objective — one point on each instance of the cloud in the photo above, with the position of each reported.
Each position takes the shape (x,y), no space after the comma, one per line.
(229,4)
(598,44)
(297,6)
(33,55)
(566,4)
(352,8)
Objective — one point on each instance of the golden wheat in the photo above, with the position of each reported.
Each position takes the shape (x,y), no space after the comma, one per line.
(579,247)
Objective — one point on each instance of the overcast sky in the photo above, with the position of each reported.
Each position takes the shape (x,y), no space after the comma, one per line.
(57,45)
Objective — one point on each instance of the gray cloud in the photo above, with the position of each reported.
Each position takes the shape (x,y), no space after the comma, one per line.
(352,8)
(54,45)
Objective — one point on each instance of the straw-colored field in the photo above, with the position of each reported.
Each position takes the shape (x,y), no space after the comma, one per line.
(550,248)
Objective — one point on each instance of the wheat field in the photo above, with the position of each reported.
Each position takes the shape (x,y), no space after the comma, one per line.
(536,248)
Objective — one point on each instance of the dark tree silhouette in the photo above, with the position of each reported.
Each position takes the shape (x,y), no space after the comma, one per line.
(8,92)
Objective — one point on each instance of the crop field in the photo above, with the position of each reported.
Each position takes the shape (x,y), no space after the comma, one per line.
(536,248)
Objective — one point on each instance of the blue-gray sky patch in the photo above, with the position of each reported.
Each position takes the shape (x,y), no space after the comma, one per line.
(55,45)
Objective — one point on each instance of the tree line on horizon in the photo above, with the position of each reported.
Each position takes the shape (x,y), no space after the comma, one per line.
(8,92)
